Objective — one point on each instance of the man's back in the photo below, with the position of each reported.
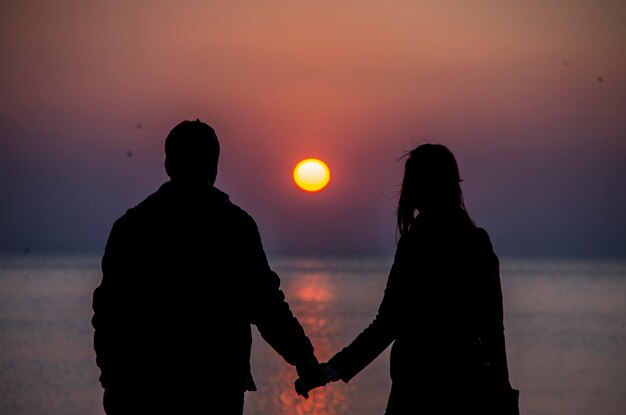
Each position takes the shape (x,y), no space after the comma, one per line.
(184,276)
(171,264)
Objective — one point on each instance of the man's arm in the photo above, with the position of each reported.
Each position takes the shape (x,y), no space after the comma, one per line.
(108,310)
(268,309)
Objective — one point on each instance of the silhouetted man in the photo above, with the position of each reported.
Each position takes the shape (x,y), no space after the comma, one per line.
(184,277)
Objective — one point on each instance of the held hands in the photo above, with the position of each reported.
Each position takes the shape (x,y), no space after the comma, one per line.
(320,377)
(331,373)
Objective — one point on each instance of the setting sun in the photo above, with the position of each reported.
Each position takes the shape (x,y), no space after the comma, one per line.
(311,175)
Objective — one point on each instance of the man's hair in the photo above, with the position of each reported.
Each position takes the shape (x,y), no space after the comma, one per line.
(192,151)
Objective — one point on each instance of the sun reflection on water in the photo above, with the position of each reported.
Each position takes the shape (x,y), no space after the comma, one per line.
(312,297)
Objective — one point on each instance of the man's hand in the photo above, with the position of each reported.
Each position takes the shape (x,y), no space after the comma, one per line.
(320,377)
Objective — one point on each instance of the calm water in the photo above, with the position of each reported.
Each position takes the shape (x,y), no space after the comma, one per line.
(566,335)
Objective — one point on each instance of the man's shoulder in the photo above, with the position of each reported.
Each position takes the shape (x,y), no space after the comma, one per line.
(134,213)
(145,205)
(238,214)
(217,203)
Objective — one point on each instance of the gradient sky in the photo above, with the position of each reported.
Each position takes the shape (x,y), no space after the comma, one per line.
(529,95)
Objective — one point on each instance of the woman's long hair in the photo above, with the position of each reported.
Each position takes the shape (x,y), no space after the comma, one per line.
(431,183)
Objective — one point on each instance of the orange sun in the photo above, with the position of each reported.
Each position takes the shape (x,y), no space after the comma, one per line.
(311,175)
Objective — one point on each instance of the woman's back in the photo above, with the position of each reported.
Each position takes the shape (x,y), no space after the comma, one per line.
(444,276)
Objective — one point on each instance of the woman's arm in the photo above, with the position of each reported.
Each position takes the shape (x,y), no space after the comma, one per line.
(381,332)
(492,332)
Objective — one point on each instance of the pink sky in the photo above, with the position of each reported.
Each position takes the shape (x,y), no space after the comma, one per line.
(511,88)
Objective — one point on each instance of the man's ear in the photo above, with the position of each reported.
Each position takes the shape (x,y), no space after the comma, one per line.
(168,167)
(213,176)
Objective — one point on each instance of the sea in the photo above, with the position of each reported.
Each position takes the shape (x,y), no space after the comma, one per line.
(565,335)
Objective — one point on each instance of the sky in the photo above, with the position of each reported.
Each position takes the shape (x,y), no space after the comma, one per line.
(529,95)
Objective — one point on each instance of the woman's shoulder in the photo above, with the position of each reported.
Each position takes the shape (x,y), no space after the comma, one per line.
(482,235)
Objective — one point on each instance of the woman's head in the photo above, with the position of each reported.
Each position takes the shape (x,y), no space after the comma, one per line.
(431,183)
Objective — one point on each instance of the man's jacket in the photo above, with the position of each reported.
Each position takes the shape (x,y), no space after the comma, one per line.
(184,277)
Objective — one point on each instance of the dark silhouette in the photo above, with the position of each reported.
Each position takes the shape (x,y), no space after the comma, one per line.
(442,306)
(184,277)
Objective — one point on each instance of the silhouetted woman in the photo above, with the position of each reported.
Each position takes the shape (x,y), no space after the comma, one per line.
(442,306)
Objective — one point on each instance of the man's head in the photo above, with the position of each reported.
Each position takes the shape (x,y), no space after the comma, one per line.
(191,152)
